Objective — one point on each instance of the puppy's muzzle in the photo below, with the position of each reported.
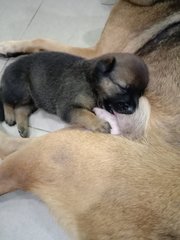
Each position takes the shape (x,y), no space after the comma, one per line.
(122,104)
(124,107)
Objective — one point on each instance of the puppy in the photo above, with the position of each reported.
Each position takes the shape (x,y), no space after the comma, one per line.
(71,87)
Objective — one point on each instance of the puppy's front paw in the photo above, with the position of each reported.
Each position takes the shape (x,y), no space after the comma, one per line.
(23,131)
(10,118)
(10,122)
(102,126)
(9,115)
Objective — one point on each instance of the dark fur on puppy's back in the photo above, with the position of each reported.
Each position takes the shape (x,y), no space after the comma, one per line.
(42,73)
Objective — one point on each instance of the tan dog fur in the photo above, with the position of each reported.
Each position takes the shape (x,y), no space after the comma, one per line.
(101,186)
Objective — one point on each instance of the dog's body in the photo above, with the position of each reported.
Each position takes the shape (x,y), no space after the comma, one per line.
(70,87)
(102,186)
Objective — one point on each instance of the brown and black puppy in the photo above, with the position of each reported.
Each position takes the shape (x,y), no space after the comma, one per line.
(70,87)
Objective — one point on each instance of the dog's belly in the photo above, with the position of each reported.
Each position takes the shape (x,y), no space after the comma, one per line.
(110,118)
(128,125)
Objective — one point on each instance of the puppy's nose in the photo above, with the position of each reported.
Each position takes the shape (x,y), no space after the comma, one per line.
(128,108)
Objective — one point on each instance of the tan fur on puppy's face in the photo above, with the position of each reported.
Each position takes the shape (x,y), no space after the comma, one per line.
(126,70)
(124,79)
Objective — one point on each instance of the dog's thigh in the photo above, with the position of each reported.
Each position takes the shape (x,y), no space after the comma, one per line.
(22,119)
(9,114)
(85,118)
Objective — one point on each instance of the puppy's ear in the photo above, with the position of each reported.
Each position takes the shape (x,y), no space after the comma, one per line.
(105,65)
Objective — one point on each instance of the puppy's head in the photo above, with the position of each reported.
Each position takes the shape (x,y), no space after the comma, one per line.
(121,81)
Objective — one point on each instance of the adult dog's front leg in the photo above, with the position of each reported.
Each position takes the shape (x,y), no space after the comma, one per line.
(9,144)
(14,48)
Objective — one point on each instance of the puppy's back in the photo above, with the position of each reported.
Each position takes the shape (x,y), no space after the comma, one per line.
(38,69)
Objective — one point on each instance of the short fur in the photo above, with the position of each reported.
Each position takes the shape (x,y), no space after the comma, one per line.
(101,186)
(70,87)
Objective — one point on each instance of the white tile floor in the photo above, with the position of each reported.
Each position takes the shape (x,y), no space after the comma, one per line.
(75,22)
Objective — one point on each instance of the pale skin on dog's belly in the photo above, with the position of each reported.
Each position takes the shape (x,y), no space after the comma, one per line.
(110,118)
(132,125)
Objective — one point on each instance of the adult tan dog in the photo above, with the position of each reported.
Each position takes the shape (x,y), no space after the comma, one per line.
(102,186)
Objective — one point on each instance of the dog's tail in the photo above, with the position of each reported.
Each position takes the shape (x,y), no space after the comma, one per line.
(1,107)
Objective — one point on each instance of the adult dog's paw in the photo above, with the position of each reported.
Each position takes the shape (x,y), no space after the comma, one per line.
(10,49)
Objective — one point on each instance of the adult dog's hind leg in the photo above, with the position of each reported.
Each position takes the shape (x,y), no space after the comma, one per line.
(9,114)
(22,119)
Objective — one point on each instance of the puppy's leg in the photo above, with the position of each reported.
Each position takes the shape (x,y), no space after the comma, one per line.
(14,48)
(9,114)
(22,119)
(87,119)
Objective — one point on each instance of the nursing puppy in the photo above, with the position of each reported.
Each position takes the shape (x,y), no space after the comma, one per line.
(70,87)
